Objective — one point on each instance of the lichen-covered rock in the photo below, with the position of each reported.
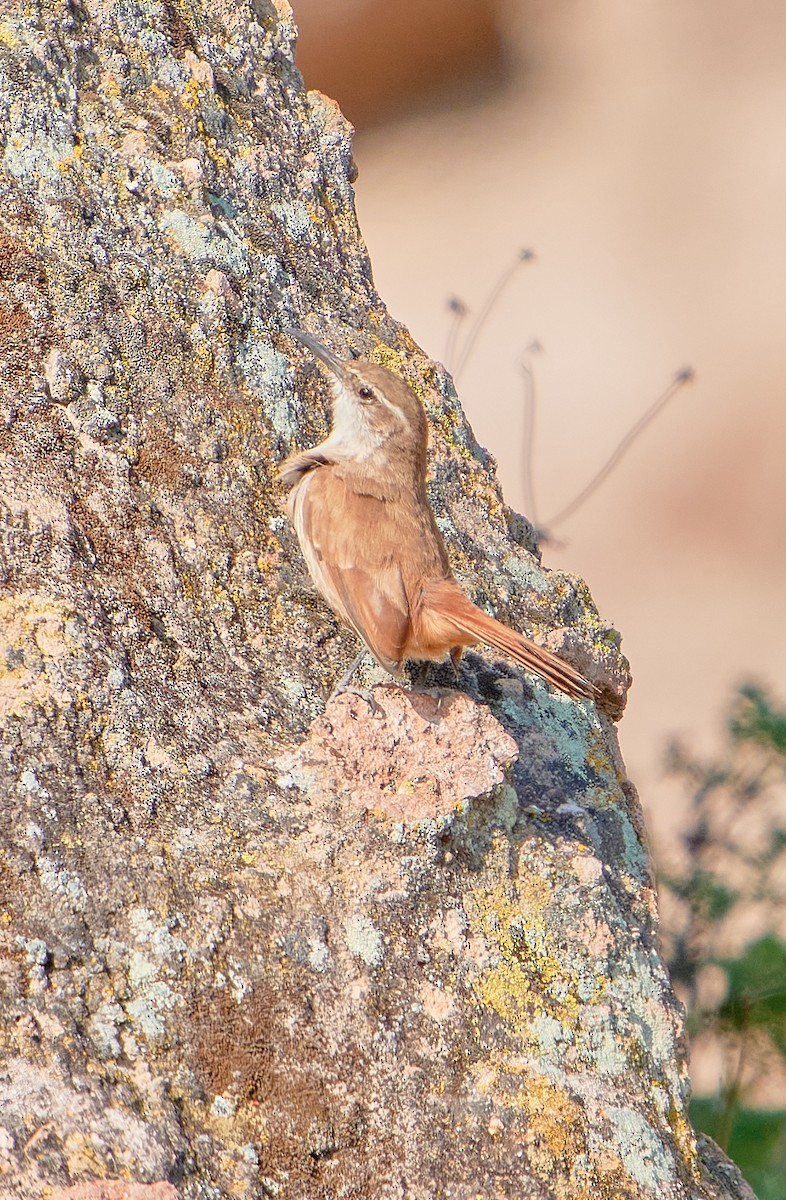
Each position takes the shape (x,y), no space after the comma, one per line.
(250,947)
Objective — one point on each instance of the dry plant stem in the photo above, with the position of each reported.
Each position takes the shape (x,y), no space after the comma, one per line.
(683,377)
(529,443)
(524,256)
(458,310)
(731,1096)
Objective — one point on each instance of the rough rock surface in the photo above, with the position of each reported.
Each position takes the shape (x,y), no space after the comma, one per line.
(116,1189)
(249,947)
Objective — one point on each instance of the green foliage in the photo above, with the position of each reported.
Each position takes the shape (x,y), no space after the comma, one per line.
(726,907)
(757,990)
(757,1143)
(753,718)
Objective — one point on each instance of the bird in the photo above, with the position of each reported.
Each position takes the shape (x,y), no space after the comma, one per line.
(359,507)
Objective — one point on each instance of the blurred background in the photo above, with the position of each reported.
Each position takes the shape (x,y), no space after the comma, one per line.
(639,150)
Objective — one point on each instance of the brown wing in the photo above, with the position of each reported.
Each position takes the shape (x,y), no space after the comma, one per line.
(350,548)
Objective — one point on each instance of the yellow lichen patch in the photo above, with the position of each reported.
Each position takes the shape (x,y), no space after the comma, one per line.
(449,419)
(81,1156)
(599,760)
(514,987)
(218,157)
(203,357)
(189,97)
(556,1126)
(33,631)
(69,841)
(386,356)
(402,365)
(547,1120)
(505,988)
(109,86)
(685,1139)
(8,36)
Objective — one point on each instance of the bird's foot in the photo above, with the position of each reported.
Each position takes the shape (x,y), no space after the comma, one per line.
(364,693)
(345,686)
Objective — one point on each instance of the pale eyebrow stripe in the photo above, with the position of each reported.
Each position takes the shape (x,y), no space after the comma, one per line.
(391,407)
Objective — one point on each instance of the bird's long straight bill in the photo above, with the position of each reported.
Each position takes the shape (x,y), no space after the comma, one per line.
(317,349)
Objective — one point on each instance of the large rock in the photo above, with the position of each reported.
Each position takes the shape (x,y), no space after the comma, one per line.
(252,946)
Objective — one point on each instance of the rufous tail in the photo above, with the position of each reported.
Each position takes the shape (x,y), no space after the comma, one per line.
(478,626)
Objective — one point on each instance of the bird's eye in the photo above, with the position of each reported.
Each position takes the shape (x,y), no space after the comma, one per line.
(365,393)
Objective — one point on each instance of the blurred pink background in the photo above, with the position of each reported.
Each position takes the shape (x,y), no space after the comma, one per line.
(640,151)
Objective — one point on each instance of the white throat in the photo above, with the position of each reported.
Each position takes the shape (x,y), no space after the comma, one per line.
(351,436)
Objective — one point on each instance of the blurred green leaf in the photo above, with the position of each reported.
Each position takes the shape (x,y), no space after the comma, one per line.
(757,988)
(755,718)
(710,897)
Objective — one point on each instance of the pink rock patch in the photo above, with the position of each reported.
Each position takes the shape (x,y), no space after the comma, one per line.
(115,1189)
(419,755)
